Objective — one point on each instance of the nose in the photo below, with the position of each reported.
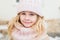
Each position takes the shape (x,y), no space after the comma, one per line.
(27,17)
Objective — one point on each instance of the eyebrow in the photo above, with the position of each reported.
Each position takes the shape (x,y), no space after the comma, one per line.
(23,11)
(32,12)
(26,11)
(20,12)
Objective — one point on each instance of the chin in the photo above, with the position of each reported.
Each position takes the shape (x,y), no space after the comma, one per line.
(27,26)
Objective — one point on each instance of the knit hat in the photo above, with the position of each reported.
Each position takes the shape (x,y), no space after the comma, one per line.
(30,5)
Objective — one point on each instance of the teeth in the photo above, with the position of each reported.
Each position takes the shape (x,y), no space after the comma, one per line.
(27,22)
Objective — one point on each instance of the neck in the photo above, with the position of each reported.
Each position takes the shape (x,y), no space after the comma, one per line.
(26,34)
(26,31)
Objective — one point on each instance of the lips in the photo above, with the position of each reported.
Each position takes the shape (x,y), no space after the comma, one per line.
(27,22)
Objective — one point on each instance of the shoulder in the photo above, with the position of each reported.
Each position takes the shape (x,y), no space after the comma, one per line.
(44,37)
(48,38)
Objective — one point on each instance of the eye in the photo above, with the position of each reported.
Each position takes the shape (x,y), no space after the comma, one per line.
(23,13)
(32,14)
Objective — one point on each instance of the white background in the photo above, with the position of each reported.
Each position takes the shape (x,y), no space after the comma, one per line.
(8,10)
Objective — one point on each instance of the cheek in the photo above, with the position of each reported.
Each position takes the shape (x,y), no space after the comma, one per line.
(21,17)
(34,19)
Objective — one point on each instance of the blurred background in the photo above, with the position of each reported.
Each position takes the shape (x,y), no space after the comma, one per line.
(51,10)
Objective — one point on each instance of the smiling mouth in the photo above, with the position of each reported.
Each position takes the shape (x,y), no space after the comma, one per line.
(27,22)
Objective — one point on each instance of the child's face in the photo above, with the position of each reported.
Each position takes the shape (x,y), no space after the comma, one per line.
(28,18)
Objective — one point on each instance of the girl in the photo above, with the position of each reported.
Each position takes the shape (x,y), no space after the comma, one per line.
(29,23)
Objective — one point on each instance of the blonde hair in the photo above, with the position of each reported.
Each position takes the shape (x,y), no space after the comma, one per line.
(39,25)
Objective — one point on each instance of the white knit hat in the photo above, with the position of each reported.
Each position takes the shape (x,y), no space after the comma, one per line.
(30,5)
